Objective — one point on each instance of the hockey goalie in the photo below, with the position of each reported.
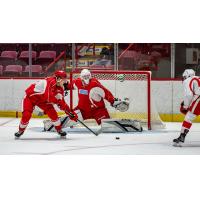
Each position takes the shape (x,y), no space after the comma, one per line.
(91,105)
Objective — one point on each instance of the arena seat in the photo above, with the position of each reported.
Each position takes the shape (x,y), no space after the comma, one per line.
(24,57)
(25,54)
(9,54)
(45,58)
(13,69)
(47,54)
(35,69)
(8,58)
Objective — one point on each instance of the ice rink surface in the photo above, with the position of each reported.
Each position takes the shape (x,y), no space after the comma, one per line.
(36,142)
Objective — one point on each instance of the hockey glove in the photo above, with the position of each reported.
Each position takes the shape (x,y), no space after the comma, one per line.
(66,89)
(65,85)
(116,102)
(72,115)
(183,110)
(121,105)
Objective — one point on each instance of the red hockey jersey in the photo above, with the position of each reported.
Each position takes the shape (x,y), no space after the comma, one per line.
(91,96)
(46,91)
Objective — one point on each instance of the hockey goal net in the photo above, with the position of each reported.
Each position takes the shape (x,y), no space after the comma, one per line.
(134,85)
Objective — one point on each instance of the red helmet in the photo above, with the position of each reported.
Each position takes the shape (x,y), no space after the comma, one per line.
(60,73)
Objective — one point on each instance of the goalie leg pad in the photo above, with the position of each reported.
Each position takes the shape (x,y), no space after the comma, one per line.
(65,121)
(121,125)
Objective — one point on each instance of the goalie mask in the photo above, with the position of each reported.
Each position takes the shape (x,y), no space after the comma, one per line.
(188,73)
(85,76)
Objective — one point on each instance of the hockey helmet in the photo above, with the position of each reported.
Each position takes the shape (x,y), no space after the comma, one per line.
(85,76)
(60,74)
(188,73)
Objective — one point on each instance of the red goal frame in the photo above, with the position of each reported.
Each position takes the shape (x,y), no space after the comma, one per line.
(148,81)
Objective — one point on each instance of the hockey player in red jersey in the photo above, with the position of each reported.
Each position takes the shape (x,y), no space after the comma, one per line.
(91,95)
(44,94)
(190,106)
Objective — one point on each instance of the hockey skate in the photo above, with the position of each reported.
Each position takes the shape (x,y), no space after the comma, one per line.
(181,139)
(62,134)
(18,134)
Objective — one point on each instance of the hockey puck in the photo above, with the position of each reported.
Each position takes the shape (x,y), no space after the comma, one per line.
(117,138)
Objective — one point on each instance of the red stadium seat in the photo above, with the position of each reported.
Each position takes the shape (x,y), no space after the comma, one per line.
(25,54)
(24,57)
(45,58)
(47,54)
(34,69)
(14,69)
(9,54)
(8,58)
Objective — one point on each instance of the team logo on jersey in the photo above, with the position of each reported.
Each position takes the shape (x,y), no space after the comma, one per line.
(84,92)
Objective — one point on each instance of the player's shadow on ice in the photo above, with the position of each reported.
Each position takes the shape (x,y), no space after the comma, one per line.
(69,130)
(45,139)
(191,145)
(37,129)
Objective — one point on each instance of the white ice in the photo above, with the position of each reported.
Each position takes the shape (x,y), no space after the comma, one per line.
(36,142)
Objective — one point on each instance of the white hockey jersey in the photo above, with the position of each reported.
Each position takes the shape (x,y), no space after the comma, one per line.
(191,87)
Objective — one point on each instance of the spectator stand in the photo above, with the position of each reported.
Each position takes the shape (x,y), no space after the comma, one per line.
(94,56)
(135,57)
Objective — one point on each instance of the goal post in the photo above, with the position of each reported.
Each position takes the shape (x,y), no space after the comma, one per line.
(134,85)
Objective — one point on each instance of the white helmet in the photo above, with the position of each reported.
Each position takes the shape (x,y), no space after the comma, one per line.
(85,76)
(188,73)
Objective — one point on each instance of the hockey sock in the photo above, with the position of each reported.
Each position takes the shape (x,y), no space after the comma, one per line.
(58,128)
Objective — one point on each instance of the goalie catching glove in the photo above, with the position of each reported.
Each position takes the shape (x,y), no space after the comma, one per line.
(121,105)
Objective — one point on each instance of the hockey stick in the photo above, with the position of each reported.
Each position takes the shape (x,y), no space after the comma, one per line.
(64,120)
(95,133)
(83,124)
